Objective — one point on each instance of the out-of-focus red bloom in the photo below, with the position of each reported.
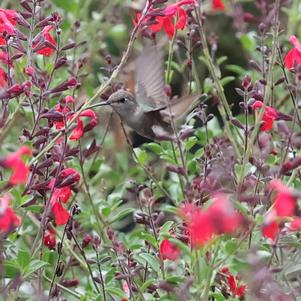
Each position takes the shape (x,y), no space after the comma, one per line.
(295,225)
(167,21)
(8,20)
(235,289)
(3,78)
(168,250)
(293,56)
(223,216)
(69,176)
(8,218)
(219,218)
(269,115)
(50,239)
(19,168)
(47,50)
(217,5)
(285,202)
(271,227)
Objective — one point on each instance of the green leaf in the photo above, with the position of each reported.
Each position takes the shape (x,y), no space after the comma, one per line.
(121,215)
(152,261)
(155,147)
(226,80)
(147,283)
(11,269)
(221,60)
(23,258)
(218,297)
(115,291)
(141,155)
(34,266)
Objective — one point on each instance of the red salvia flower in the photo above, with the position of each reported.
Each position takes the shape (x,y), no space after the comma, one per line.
(219,218)
(167,21)
(19,168)
(293,56)
(8,218)
(235,289)
(8,22)
(47,50)
(271,227)
(50,239)
(217,5)
(168,250)
(285,202)
(269,115)
(60,195)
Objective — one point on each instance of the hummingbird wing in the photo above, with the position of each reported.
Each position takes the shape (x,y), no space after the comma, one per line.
(179,107)
(149,88)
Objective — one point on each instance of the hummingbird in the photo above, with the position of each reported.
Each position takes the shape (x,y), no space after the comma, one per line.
(150,112)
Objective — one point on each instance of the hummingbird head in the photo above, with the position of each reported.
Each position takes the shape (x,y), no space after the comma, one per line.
(123,102)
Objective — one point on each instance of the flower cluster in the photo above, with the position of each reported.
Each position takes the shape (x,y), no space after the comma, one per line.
(173,17)
(168,250)
(219,218)
(66,114)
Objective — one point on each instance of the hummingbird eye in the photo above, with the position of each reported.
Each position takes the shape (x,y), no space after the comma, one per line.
(122,100)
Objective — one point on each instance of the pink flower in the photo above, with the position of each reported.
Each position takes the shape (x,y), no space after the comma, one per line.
(269,115)
(293,56)
(168,250)
(19,168)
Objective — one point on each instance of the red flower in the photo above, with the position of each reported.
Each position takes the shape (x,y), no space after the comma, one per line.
(293,56)
(47,50)
(167,20)
(295,224)
(235,289)
(271,228)
(50,239)
(218,5)
(78,132)
(219,218)
(20,169)
(269,115)
(8,20)
(285,202)
(8,218)
(61,195)
(168,250)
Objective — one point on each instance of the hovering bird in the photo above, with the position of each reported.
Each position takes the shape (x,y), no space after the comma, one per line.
(149,112)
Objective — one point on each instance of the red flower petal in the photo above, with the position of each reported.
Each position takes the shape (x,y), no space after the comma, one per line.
(3,78)
(218,5)
(169,27)
(269,115)
(182,19)
(232,284)
(60,213)
(271,230)
(19,168)
(78,131)
(292,58)
(47,51)
(169,250)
